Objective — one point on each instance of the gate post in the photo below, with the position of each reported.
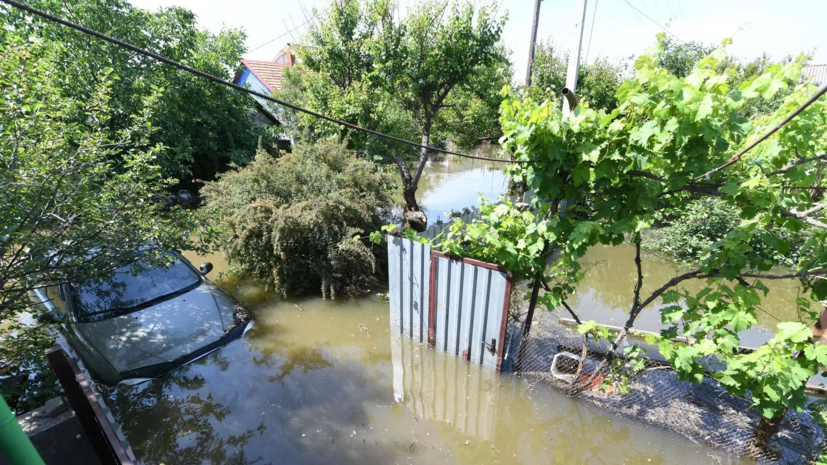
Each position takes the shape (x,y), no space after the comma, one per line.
(527,326)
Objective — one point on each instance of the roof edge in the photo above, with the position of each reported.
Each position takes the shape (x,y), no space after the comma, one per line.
(245,63)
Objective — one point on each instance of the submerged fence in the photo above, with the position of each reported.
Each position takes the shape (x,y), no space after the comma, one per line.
(443,388)
(456,305)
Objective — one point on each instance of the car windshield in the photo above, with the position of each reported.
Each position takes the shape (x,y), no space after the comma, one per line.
(128,288)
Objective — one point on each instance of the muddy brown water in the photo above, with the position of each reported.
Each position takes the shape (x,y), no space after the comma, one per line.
(452,183)
(324,382)
(606,293)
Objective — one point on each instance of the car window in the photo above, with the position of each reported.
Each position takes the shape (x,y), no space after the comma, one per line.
(127,289)
(53,294)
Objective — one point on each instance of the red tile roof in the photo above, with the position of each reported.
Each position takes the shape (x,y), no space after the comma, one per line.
(267,72)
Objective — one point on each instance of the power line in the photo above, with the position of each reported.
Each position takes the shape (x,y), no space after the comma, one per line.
(279,37)
(650,19)
(591,32)
(217,80)
(210,77)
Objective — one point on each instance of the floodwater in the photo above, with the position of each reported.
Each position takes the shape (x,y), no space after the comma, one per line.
(454,183)
(324,382)
(606,292)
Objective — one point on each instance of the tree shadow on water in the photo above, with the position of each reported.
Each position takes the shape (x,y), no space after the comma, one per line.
(244,405)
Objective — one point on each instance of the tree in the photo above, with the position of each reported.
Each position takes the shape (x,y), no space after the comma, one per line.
(671,140)
(438,48)
(435,74)
(680,58)
(77,200)
(204,126)
(333,77)
(597,83)
(291,221)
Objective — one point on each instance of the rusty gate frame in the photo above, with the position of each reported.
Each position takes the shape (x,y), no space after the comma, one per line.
(432,290)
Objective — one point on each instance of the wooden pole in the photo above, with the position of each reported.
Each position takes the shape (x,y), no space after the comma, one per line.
(533,42)
(574,51)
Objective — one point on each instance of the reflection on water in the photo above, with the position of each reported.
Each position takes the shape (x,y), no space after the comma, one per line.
(605,294)
(323,382)
(453,183)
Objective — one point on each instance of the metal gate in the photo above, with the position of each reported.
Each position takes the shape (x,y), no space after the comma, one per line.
(460,306)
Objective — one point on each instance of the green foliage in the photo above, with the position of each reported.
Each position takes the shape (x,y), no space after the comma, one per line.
(79,200)
(621,370)
(291,221)
(597,83)
(704,223)
(28,380)
(504,235)
(434,74)
(439,48)
(622,170)
(205,127)
(680,58)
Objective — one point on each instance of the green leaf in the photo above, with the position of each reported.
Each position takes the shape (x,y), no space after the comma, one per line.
(792,331)
(705,109)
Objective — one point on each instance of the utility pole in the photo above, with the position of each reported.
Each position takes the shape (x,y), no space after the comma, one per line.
(574,52)
(533,42)
(569,93)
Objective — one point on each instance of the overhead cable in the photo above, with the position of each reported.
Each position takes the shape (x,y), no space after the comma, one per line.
(237,87)
(647,17)
(217,80)
(279,37)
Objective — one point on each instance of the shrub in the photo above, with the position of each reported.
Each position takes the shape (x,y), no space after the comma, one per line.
(291,221)
(704,222)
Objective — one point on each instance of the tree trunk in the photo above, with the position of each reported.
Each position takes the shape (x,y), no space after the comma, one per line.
(409,196)
(758,445)
(410,188)
(532,303)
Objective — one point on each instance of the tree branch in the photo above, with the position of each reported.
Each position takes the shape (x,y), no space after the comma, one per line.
(799,162)
(803,216)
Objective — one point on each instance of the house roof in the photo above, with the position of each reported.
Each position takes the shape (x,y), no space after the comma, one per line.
(267,72)
(818,73)
(271,73)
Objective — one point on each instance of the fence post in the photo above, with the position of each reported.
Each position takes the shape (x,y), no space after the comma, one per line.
(103,438)
(527,326)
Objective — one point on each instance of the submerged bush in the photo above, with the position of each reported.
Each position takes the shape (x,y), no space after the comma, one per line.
(291,221)
(704,222)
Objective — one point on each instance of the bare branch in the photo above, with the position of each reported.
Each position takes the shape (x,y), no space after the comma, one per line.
(802,216)
(800,161)
(644,174)
(571,312)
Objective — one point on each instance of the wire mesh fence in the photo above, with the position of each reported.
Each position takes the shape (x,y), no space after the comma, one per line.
(702,413)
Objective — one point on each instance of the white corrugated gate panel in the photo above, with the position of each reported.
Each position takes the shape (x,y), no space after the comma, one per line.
(494,319)
(455,308)
(469,301)
(466,318)
(443,301)
(409,281)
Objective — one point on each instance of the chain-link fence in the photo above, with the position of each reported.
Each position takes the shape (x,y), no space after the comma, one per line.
(703,413)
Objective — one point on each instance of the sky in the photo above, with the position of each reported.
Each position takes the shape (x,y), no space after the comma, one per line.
(614,29)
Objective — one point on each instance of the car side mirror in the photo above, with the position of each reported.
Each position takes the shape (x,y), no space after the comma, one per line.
(206,267)
(53,316)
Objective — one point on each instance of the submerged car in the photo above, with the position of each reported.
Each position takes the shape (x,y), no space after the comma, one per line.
(145,321)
